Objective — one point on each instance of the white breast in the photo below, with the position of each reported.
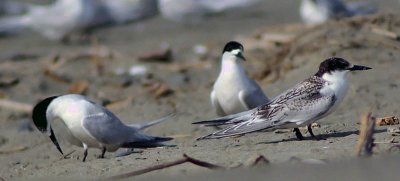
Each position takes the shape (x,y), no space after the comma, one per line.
(231,80)
(338,83)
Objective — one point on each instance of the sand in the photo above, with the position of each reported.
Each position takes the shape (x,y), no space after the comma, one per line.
(28,154)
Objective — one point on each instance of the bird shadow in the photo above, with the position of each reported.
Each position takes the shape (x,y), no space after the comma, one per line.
(321,136)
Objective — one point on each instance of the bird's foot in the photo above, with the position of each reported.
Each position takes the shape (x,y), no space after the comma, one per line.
(298,134)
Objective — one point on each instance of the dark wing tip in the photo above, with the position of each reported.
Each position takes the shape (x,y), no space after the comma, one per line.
(155,142)
(162,139)
(215,122)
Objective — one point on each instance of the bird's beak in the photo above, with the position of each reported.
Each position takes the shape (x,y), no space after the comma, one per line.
(54,140)
(240,55)
(358,67)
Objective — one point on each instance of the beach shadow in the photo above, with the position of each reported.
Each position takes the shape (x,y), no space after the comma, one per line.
(320,137)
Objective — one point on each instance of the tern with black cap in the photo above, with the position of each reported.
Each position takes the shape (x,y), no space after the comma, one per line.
(301,105)
(91,125)
(234,91)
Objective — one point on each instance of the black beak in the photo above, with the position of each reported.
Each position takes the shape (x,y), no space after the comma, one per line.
(53,138)
(240,55)
(359,67)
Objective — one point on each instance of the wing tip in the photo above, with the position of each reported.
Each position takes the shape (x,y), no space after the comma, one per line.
(157,141)
(163,139)
(210,136)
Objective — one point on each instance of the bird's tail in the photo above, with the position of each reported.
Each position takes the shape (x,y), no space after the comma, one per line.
(149,142)
(146,124)
(361,8)
(14,25)
(230,119)
(140,140)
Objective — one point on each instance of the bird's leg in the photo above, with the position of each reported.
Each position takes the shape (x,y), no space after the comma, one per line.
(309,128)
(85,152)
(103,151)
(298,134)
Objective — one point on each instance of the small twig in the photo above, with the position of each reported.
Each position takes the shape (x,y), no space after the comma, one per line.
(13,150)
(385,33)
(386,142)
(55,76)
(366,140)
(66,155)
(259,160)
(167,165)
(204,164)
(15,106)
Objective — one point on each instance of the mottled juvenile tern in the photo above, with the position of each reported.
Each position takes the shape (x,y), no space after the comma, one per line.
(301,105)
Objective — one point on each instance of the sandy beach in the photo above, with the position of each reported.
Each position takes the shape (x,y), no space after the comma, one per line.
(99,69)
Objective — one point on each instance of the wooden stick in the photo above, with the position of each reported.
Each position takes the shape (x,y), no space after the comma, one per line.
(13,150)
(185,159)
(366,140)
(203,163)
(15,106)
(386,33)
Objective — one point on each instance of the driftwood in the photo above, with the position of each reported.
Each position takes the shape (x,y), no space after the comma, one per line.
(185,159)
(385,33)
(260,160)
(13,150)
(366,140)
(15,106)
(163,55)
(78,87)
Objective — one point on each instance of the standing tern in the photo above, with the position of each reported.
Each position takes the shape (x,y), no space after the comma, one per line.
(193,11)
(301,105)
(59,20)
(56,21)
(319,11)
(91,125)
(233,91)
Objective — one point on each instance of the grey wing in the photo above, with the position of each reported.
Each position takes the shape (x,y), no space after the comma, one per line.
(216,105)
(105,128)
(361,8)
(252,96)
(337,8)
(292,107)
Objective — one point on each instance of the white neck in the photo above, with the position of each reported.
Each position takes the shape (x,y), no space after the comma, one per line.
(336,76)
(337,82)
(231,63)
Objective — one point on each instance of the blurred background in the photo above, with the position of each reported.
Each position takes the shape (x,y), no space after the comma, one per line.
(144,59)
(148,33)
